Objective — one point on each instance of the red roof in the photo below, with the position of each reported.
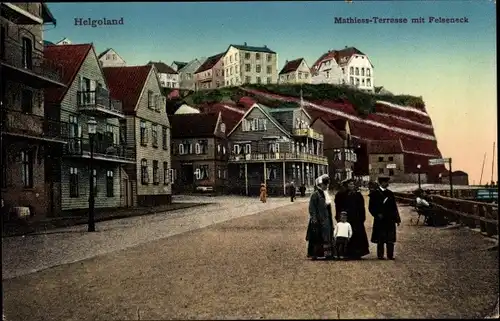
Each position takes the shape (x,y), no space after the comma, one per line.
(126,84)
(291,66)
(338,55)
(385,147)
(231,117)
(247,102)
(193,125)
(71,57)
(210,62)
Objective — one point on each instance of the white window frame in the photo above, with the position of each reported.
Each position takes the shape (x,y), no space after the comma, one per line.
(248,149)
(224,150)
(181,149)
(236,149)
(197,148)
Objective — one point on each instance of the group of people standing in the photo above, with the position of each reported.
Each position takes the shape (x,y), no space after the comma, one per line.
(348,238)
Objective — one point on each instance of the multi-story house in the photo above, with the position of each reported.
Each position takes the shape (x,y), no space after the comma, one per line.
(146,131)
(326,70)
(186,74)
(86,98)
(339,147)
(169,78)
(250,65)
(386,157)
(211,73)
(199,152)
(110,58)
(348,66)
(27,138)
(295,72)
(274,146)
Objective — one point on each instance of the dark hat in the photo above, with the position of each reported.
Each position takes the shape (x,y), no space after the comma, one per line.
(383,179)
(347,181)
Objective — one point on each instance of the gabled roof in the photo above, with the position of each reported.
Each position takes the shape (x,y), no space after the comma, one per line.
(71,58)
(266,111)
(251,48)
(385,147)
(103,53)
(48,43)
(180,64)
(127,83)
(291,66)
(162,67)
(47,15)
(193,125)
(338,55)
(210,62)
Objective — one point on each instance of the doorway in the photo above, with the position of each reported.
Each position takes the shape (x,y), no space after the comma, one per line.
(187,178)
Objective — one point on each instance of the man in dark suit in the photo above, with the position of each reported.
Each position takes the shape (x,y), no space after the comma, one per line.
(383,208)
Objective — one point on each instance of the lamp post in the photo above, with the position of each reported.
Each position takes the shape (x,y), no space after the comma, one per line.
(418,167)
(92,125)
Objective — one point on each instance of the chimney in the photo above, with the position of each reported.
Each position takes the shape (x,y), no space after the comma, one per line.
(345,47)
(265,46)
(245,43)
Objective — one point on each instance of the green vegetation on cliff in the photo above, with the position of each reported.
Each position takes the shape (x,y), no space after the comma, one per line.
(364,102)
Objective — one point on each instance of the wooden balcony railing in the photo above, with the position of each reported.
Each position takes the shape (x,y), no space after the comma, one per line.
(308,132)
(99,98)
(35,126)
(262,157)
(31,60)
(103,149)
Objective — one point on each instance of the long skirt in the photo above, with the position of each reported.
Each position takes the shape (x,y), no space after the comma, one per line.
(358,245)
(317,246)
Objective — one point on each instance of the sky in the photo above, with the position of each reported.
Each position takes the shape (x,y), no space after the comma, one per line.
(452,66)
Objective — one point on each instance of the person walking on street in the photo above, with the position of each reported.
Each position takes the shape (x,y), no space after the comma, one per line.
(292,191)
(383,208)
(263,193)
(320,228)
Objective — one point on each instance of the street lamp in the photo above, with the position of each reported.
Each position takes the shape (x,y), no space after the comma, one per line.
(418,167)
(92,126)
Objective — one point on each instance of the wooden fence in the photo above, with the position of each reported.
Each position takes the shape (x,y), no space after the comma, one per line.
(464,212)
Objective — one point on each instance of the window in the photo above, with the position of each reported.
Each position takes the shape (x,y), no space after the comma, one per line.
(248,148)
(258,69)
(201,147)
(73,182)
(357,71)
(327,74)
(114,56)
(166,173)
(368,71)
(391,158)
(144,133)
(269,80)
(343,70)
(381,159)
(357,81)
(94,181)
(248,68)
(273,147)
(236,56)
(258,80)
(144,172)
(381,171)
(236,149)
(201,173)
(368,82)
(269,70)
(255,124)
(231,70)
(151,101)
(27,53)
(257,56)
(351,70)
(157,102)
(248,79)
(154,135)
(27,101)
(27,172)
(109,184)
(247,55)
(269,57)
(351,80)
(156,174)
(391,172)
(164,137)
(362,71)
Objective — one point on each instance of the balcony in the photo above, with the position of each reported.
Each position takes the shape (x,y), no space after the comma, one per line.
(22,13)
(103,150)
(97,103)
(278,157)
(307,132)
(28,66)
(30,126)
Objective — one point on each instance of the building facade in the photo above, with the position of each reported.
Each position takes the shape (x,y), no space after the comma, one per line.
(339,148)
(295,72)
(87,97)
(274,146)
(386,158)
(250,65)
(210,75)
(326,70)
(169,78)
(187,79)
(27,137)
(146,132)
(110,58)
(200,153)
